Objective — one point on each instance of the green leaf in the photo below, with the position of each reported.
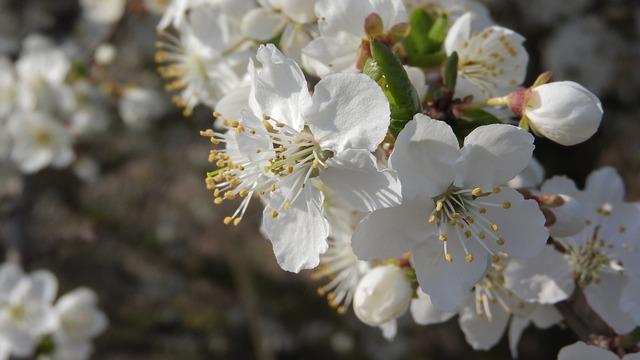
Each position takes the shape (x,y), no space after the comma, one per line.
(403,97)
(451,71)
(425,39)
(438,32)
(472,119)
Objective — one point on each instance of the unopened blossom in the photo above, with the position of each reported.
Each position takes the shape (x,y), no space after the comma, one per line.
(382,295)
(290,143)
(455,214)
(288,18)
(491,62)
(77,321)
(25,307)
(206,59)
(562,111)
(103,11)
(342,31)
(582,351)
(602,259)
(39,141)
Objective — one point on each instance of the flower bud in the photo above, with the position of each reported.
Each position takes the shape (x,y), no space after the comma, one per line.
(563,111)
(568,215)
(383,294)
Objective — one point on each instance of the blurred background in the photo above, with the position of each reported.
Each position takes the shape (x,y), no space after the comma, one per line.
(135,222)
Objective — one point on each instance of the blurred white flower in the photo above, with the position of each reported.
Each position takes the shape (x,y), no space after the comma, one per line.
(341,27)
(105,54)
(455,213)
(582,351)
(289,140)
(78,320)
(585,50)
(383,295)
(25,307)
(140,107)
(563,111)
(103,11)
(491,62)
(39,141)
(206,60)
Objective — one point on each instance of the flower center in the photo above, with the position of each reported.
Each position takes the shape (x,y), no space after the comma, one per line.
(273,152)
(17,312)
(492,290)
(462,213)
(42,137)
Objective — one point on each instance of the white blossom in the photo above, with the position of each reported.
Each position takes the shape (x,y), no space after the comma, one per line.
(289,141)
(455,214)
(139,107)
(103,11)
(341,27)
(491,62)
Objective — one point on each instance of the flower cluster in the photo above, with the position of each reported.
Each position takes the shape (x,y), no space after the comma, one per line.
(390,143)
(33,322)
(46,106)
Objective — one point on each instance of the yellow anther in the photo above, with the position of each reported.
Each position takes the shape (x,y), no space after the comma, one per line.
(496,190)
(217,201)
(482,210)
(442,237)
(274,213)
(244,193)
(470,219)
(229,195)
(266,117)
(469,258)
(286,206)
(439,206)
(500,241)
(320,291)
(467,234)
(236,221)
(448,257)
(216,114)
(495,258)
(506,205)
(432,219)
(455,215)
(272,187)
(290,169)
(494,227)
(476,192)
(482,235)
(227,220)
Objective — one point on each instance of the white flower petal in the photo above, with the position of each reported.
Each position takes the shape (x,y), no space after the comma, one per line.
(22,343)
(545,279)
(560,185)
(424,313)
(279,88)
(293,40)
(356,178)
(516,328)
(336,16)
(389,329)
(300,11)
(582,351)
(424,156)
(418,80)
(231,105)
(604,299)
(603,186)
(493,155)
(530,177)
(299,235)
(348,111)
(262,24)
(630,300)
(328,54)
(480,332)
(545,316)
(392,231)
(520,223)
(44,287)
(458,34)
(447,283)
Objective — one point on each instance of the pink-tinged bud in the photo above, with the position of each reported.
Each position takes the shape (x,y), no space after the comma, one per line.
(563,111)
(399,31)
(518,101)
(382,295)
(373,25)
